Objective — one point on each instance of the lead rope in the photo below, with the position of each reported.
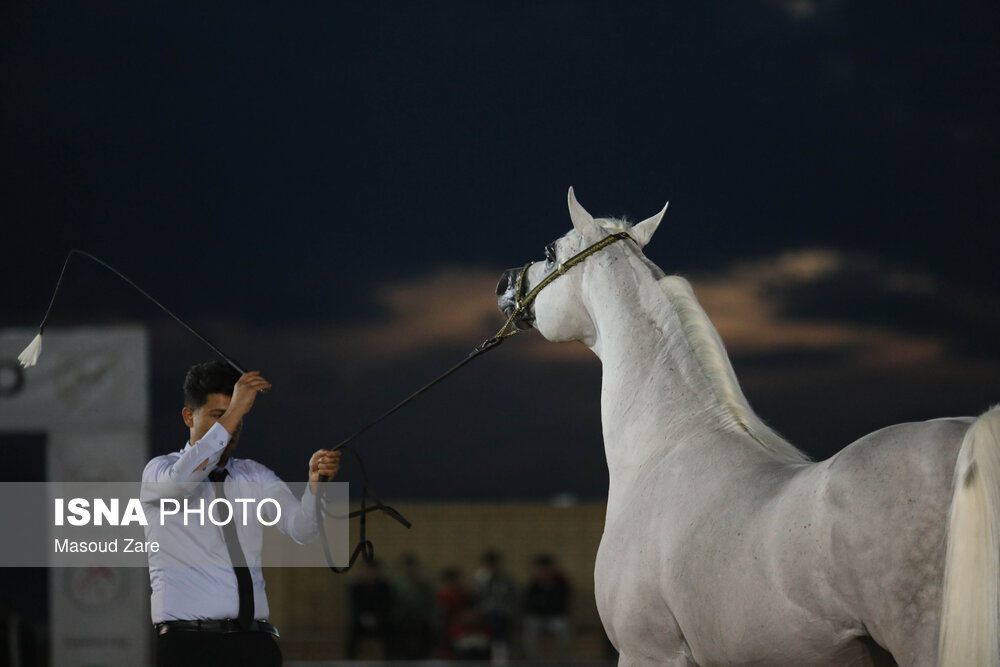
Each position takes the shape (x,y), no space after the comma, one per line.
(365,548)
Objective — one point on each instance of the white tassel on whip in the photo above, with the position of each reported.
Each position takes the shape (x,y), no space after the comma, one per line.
(30,355)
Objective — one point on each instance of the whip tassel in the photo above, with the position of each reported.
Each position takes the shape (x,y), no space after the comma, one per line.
(30,355)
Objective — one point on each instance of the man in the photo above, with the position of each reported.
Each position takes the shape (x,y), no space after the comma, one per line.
(208,614)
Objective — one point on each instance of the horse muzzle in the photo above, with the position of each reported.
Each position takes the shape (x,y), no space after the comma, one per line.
(510,292)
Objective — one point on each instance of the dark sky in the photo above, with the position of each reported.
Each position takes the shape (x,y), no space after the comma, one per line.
(330,190)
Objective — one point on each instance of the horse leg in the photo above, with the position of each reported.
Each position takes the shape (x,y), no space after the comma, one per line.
(641,645)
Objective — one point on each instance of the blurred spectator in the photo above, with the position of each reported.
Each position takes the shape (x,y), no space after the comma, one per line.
(546,608)
(414,610)
(496,598)
(453,599)
(452,595)
(371,601)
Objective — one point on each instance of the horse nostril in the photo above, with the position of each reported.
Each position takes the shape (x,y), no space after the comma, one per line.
(504,283)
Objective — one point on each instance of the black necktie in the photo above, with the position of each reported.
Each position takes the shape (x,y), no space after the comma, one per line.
(243,581)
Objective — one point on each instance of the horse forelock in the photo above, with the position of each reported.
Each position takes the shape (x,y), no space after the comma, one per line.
(614,225)
(610,225)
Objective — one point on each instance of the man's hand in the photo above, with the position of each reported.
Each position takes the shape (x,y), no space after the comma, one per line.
(323,462)
(244,394)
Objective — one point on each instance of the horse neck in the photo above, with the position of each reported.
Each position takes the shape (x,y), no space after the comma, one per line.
(667,382)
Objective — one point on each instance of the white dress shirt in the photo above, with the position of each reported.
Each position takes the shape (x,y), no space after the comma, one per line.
(184,586)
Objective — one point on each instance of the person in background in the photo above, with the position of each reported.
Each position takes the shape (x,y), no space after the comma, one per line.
(413,613)
(371,600)
(453,598)
(546,608)
(496,601)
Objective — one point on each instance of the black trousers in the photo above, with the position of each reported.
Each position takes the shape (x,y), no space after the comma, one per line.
(179,648)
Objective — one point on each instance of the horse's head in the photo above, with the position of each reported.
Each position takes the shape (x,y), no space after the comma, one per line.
(558,310)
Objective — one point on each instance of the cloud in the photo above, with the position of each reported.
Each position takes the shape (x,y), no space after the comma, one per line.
(748,303)
(452,307)
(451,310)
(757,306)
(809,304)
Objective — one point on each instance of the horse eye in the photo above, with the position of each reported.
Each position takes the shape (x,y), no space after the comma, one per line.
(550,252)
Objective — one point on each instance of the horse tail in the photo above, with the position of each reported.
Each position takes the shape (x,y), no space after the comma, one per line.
(970,611)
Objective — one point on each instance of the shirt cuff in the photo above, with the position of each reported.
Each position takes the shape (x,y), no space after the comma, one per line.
(217,435)
(202,457)
(308,500)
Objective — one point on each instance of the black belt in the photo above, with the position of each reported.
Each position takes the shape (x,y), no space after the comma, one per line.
(213,625)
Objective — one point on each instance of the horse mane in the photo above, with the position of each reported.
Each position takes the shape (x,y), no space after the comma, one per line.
(736,413)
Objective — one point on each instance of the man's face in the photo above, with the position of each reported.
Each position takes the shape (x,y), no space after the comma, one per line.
(205,417)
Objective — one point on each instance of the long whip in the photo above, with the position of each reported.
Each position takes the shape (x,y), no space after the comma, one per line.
(29,357)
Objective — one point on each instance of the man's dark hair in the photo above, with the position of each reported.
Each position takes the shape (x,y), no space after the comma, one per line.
(211,377)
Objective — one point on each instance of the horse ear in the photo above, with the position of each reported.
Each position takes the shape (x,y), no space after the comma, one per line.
(643,231)
(583,222)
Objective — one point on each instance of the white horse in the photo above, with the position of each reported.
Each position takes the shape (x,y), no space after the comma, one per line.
(724,544)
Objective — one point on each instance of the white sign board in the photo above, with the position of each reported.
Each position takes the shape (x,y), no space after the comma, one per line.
(89,396)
